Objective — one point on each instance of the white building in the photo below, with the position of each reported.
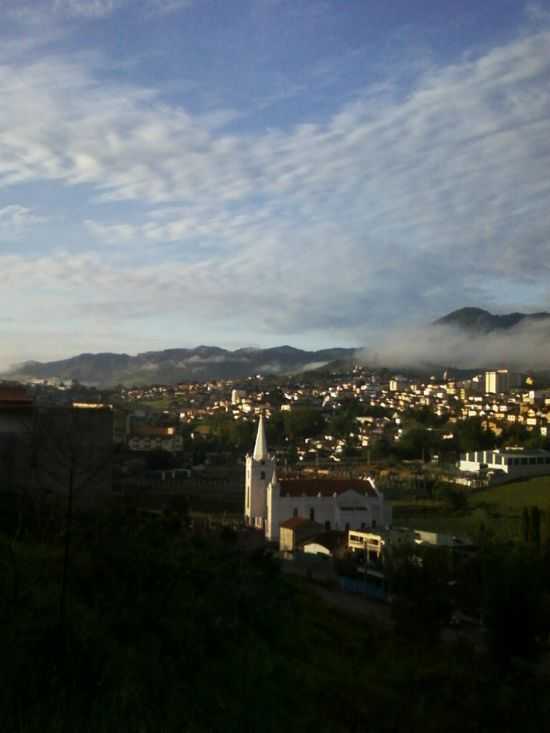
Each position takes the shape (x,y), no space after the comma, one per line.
(376,543)
(501,381)
(333,503)
(514,462)
(237,396)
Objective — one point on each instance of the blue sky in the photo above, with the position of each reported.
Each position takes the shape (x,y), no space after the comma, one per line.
(257,172)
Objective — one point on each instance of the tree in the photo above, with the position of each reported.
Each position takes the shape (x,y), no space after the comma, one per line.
(535,526)
(418,578)
(160,460)
(472,435)
(303,422)
(72,456)
(424,416)
(525,525)
(514,608)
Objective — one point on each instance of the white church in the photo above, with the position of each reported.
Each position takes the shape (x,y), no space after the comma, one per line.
(334,503)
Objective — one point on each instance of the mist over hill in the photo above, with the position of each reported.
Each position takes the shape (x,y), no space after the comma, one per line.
(469,338)
(173,365)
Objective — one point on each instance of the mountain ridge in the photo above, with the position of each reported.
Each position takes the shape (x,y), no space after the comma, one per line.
(178,364)
(483,321)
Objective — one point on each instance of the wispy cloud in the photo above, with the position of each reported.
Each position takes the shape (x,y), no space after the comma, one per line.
(88,9)
(15,220)
(402,201)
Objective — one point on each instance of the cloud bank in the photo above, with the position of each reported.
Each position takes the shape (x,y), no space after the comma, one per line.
(524,347)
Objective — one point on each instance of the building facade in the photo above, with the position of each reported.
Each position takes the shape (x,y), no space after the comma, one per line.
(513,463)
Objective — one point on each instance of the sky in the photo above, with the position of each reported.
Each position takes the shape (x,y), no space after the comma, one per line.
(260,172)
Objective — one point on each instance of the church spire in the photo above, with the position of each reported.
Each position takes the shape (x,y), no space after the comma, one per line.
(260,448)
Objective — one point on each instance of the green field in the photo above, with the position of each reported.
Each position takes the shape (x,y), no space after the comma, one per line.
(513,497)
(497,509)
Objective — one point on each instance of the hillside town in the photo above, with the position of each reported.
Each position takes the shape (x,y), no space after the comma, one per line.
(352,414)
(316,467)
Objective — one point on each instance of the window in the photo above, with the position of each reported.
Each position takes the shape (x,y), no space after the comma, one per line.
(524,461)
(312,514)
(327,525)
(532,461)
(262,475)
(295,511)
(362,525)
(347,526)
(374,522)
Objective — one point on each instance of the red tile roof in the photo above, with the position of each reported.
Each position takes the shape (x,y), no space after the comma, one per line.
(300,523)
(12,395)
(330,539)
(324,486)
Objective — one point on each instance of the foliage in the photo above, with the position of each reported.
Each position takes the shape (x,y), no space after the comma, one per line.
(424,416)
(515,608)
(418,578)
(471,434)
(225,433)
(303,422)
(167,631)
(159,460)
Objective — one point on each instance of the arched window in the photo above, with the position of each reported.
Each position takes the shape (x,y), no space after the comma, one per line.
(295,511)
(327,525)
(262,475)
(312,514)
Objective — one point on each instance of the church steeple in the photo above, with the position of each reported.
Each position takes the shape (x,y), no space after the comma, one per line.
(260,447)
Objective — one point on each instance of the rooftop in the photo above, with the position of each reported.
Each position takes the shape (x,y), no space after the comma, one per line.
(324,486)
(330,539)
(14,396)
(300,523)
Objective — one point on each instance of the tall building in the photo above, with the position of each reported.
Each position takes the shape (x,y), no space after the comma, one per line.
(340,504)
(501,380)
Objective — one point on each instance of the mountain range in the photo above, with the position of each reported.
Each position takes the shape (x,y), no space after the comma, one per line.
(177,365)
(212,362)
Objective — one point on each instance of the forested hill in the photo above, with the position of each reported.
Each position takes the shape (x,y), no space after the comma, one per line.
(173,365)
(482,321)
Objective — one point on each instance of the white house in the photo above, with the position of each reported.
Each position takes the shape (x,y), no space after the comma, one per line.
(333,503)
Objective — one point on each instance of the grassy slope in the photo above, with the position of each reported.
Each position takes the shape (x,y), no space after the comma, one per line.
(513,497)
(498,508)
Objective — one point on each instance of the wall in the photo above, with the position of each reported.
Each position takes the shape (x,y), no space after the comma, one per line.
(258,475)
(349,509)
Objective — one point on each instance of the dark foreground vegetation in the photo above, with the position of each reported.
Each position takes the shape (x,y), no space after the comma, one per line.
(158,628)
